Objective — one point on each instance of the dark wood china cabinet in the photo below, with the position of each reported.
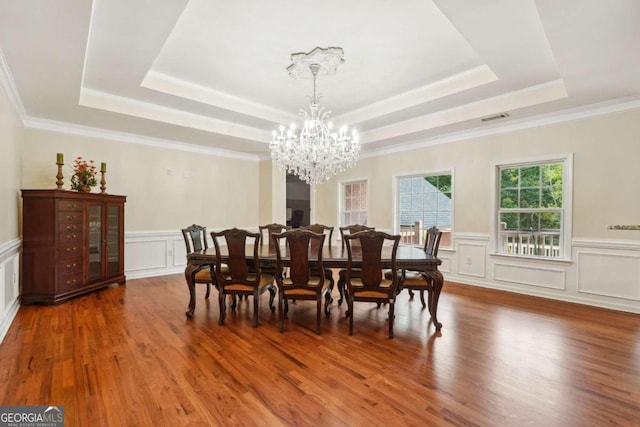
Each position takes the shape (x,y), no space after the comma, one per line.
(73,243)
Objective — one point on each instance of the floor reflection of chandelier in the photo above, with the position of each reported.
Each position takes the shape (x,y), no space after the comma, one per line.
(318,152)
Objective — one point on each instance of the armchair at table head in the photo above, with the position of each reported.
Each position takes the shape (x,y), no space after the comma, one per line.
(239,279)
(417,280)
(306,278)
(195,239)
(344,231)
(370,285)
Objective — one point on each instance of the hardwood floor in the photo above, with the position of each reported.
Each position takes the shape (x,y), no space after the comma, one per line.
(128,356)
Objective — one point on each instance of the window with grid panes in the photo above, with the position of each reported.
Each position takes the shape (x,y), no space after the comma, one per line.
(531,209)
(424,201)
(354,203)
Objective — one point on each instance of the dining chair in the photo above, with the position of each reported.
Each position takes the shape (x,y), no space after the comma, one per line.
(195,239)
(327,231)
(344,231)
(418,280)
(370,285)
(239,279)
(271,229)
(306,279)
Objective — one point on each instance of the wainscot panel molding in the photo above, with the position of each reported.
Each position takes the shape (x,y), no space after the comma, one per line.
(472,258)
(609,274)
(9,284)
(545,277)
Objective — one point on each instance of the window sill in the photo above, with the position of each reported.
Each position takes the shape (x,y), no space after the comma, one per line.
(531,258)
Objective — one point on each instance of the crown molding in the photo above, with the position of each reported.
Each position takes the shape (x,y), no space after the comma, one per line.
(9,85)
(572,114)
(91,132)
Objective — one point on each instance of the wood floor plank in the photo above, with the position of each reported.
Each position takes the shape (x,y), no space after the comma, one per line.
(127,355)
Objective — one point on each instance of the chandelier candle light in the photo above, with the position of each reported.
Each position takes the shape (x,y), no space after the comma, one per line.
(319,152)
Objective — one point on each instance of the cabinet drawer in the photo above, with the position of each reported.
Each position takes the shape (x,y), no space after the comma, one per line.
(69,282)
(68,266)
(70,228)
(70,236)
(70,250)
(70,217)
(69,206)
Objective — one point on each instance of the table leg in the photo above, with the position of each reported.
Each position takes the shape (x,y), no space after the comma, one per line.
(190,276)
(438,283)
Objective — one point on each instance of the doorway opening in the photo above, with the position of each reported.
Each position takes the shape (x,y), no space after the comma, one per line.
(298,195)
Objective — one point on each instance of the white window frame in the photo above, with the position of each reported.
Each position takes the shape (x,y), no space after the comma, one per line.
(396,198)
(341,195)
(567,204)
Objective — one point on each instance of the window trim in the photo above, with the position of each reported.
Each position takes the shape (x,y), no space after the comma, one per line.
(396,197)
(567,202)
(341,186)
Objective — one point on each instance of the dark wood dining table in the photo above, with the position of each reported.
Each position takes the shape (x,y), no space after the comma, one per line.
(407,257)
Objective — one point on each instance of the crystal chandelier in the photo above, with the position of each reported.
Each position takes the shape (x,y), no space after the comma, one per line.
(318,152)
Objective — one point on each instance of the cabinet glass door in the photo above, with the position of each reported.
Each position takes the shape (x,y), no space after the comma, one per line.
(113,240)
(95,243)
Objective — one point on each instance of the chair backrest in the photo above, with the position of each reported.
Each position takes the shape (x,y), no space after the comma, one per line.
(305,255)
(195,238)
(432,243)
(271,230)
(352,229)
(371,244)
(320,229)
(238,270)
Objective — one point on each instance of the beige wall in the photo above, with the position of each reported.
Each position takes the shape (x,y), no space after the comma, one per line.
(606,174)
(10,169)
(218,192)
(272,194)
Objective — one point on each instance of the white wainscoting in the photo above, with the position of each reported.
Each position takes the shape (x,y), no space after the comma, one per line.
(9,284)
(148,254)
(603,273)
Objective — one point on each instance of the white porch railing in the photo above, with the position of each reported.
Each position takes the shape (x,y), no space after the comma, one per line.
(537,243)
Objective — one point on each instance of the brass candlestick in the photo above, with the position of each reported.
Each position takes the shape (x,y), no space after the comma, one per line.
(103,183)
(59,182)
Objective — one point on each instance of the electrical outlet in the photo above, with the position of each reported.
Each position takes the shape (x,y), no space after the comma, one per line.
(469,260)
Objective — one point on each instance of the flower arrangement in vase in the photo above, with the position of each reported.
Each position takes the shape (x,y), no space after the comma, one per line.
(84,175)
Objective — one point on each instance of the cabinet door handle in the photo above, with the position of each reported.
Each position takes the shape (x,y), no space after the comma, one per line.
(71,228)
(71,249)
(71,206)
(70,217)
(71,282)
(70,266)
(71,236)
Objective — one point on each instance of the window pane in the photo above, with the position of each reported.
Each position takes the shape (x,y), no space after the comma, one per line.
(550,221)
(444,183)
(509,199)
(509,221)
(530,176)
(530,198)
(444,219)
(430,201)
(509,178)
(552,174)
